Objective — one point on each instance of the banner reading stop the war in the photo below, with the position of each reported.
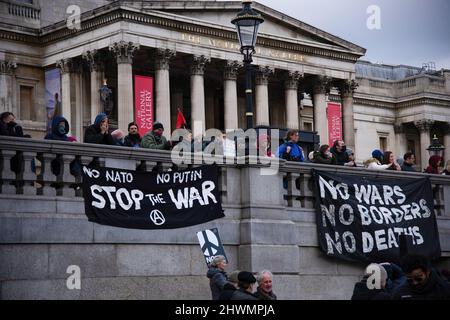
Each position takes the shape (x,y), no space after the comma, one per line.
(143,96)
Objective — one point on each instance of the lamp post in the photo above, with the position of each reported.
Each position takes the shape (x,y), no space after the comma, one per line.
(436,148)
(247,23)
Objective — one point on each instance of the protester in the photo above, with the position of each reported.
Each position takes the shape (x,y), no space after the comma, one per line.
(351,158)
(118,137)
(264,290)
(9,127)
(290,150)
(230,287)
(324,156)
(446,171)
(374,163)
(423,282)
(217,276)
(389,158)
(98,133)
(154,139)
(339,151)
(433,164)
(362,291)
(133,139)
(60,129)
(408,162)
(395,276)
(246,283)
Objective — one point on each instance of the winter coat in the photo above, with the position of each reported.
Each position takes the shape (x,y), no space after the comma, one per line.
(94,135)
(296,153)
(322,158)
(407,167)
(242,295)
(152,141)
(55,134)
(362,292)
(263,296)
(11,129)
(132,140)
(341,157)
(227,292)
(436,289)
(374,164)
(217,280)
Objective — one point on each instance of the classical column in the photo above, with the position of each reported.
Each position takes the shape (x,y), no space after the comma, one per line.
(124,52)
(262,95)
(77,122)
(424,127)
(447,142)
(400,140)
(198,94)
(230,94)
(346,89)
(66,67)
(163,57)
(321,87)
(6,86)
(291,99)
(96,66)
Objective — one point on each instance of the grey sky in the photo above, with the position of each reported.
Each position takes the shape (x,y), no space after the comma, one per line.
(412,31)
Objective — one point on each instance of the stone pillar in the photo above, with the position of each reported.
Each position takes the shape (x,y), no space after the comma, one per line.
(321,87)
(77,122)
(96,66)
(6,86)
(447,142)
(230,94)
(424,127)
(347,88)
(291,99)
(400,141)
(124,52)
(262,95)
(163,114)
(198,94)
(66,67)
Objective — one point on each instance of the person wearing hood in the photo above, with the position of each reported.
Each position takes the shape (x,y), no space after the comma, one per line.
(98,133)
(395,276)
(423,282)
(339,150)
(374,163)
(133,139)
(433,164)
(324,156)
(217,276)
(361,291)
(60,129)
(154,139)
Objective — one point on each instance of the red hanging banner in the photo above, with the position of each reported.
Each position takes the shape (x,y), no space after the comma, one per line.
(143,103)
(334,113)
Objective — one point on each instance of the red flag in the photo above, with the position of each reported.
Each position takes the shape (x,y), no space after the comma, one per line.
(181,121)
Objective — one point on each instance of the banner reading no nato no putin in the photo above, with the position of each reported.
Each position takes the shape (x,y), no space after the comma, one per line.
(147,200)
(363,219)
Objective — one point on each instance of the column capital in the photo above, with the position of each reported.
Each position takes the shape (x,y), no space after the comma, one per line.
(262,74)
(292,79)
(124,51)
(321,85)
(163,57)
(94,60)
(65,65)
(347,87)
(231,69)
(198,64)
(424,125)
(7,67)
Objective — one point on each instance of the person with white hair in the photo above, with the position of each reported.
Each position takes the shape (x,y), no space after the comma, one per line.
(217,276)
(264,290)
(373,284)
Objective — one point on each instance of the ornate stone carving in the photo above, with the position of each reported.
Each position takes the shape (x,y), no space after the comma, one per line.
(124,51)
(262,75)
(347,88)
(7,67)
(424,125)
(292,79)
(231,70)
(65,65)
(94,60)
(321,85)
(198,64)
(163,57)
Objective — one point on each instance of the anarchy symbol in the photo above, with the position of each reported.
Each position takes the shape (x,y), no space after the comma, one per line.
(157,217)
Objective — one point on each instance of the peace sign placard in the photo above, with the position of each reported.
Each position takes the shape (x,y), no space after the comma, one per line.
(211,245)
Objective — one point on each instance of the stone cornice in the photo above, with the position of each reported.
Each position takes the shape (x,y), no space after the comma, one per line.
(114,13)
(390,105)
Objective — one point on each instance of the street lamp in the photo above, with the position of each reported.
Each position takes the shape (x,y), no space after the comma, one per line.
(436,148)
(247,23)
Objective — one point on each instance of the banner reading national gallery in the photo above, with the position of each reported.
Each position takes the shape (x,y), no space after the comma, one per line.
(147,200)
(365,219)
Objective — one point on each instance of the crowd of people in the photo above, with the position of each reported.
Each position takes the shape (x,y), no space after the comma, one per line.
(238,285)
(416,279)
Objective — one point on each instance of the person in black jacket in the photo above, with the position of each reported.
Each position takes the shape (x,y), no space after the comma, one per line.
(133,139)
(98,133)
(363,291)
(246,283)
(217,276)
(423,282)
(9,127)
(339,150)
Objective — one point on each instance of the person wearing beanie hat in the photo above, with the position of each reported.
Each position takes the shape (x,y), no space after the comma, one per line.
(98,133)
(154,139)
(133,139)
(246,283)
(231,286)
(374,163)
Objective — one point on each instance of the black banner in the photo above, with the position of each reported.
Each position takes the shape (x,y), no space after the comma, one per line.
(368,219)
(147,200)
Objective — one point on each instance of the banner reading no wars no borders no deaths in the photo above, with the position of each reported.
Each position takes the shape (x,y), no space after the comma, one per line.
(363,219)
(147,200)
